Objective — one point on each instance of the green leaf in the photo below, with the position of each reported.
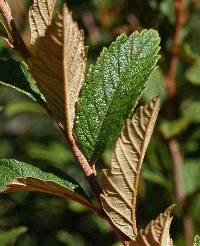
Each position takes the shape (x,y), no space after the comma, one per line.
(14,108)
(192,112)
(191,176)
(112,89)
(4,33)
(20,176)
(15,75)
(167,9)
(31,81)
(172,128)
(156,86)
(155,177)
(9,237)
(197,241)
(193,73)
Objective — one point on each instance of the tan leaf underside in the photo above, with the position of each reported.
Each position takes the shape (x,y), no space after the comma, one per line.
(40,15)
(58,65)
(33,184)
(157,232)
(121,182)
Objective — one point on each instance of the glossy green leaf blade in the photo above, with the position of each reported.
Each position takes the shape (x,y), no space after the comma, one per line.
(20,176)
(112,89)
(15,75)
(197,241)
(9,237)
(4,33)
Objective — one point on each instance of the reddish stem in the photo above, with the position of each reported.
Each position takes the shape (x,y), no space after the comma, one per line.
(173,62)
(87,169)
(18,43)
(177,157)
(177,160)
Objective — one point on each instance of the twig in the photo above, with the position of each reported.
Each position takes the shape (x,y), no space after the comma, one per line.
(18,43)
(177,157)
(173,62)
(177,160)
(87,169)
(20,16)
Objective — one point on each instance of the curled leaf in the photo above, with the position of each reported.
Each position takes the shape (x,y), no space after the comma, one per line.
(121,182)
(58,65)
(40,15)
(20,176)
(157,232)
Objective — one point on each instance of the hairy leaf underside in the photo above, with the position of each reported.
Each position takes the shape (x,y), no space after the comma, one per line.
(58,66)
(20,176)
(157,231)
(40,16)
(121,182)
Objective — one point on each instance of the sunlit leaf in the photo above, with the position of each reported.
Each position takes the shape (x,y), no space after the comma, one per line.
(8,238)
(112,89)
(197,241)
(157,232)
(40,15)
(20,176)
(121,182)
(58,64)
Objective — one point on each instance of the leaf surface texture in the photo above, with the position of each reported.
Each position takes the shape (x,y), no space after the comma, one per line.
(58,65)
(40,16)
(157,232)
(20,176)
(112,88)
(197,241)
(121,182)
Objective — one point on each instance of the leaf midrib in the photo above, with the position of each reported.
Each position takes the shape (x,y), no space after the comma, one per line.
(109,104)
(140,163)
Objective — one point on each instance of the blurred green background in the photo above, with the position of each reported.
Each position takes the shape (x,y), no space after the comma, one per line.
(28,134)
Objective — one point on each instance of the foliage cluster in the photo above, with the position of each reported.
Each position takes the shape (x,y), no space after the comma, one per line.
(26,125)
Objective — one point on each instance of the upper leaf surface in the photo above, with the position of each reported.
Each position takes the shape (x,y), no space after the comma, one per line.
(20,176)
(197,241)
(121,182)
(112,88)
(58,64)
(157,231)
(4,33)
(40,15)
